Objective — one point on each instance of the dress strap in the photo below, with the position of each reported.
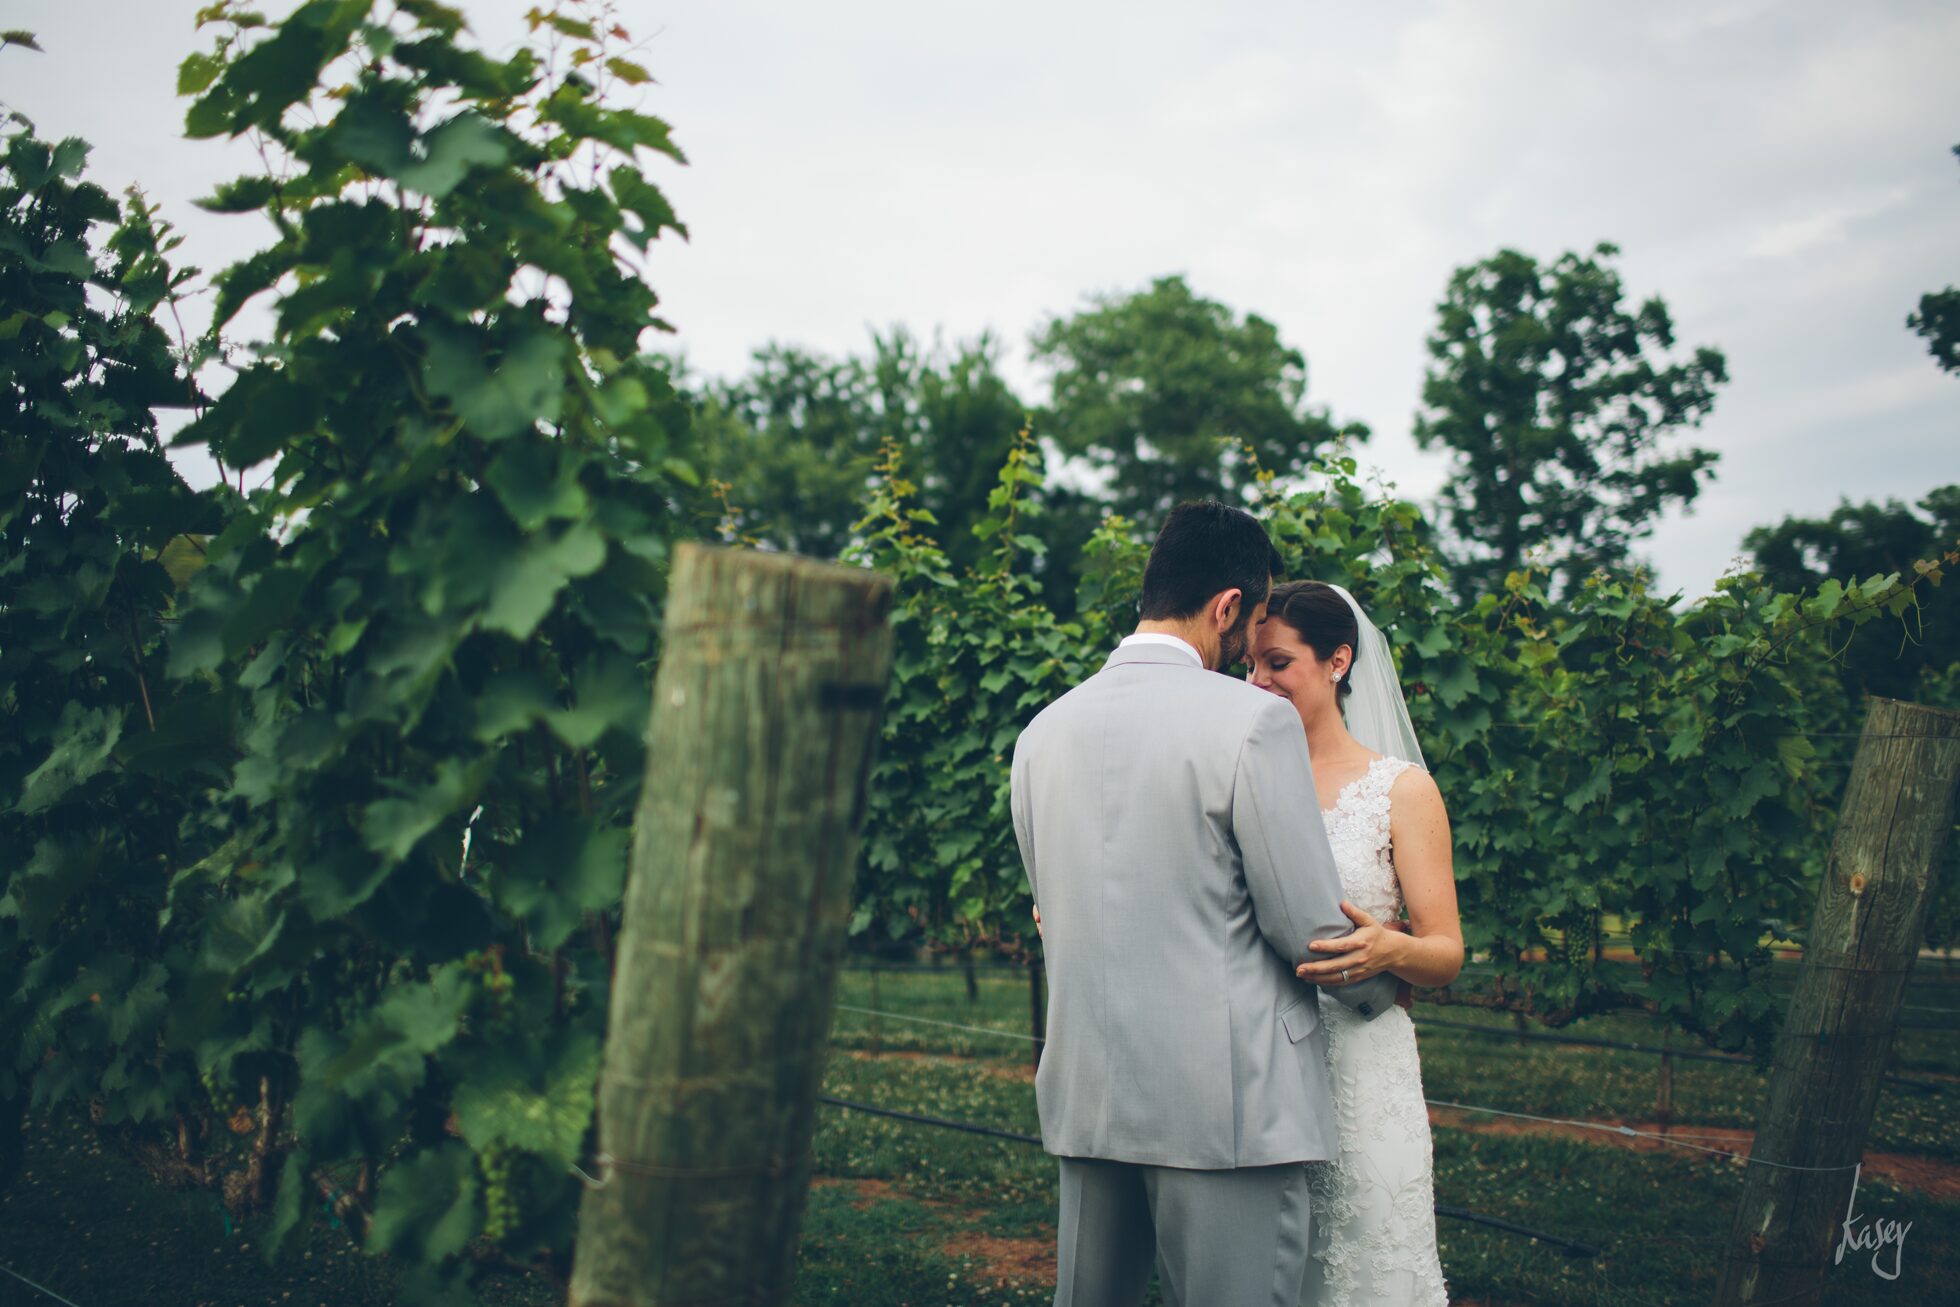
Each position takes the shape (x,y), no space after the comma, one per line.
(1371,799)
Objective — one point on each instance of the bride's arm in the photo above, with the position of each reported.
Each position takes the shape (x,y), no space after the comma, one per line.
(1431,954)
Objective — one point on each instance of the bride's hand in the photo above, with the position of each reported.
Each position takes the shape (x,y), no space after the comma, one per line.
(1037,924)
(1405,993)
(1370,950)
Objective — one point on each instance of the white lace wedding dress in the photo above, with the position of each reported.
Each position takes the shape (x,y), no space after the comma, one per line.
(1372,1236)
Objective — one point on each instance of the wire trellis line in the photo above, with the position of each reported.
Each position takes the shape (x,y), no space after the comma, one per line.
(1571,1247)
(1691,1054)
(1493,1032)
(39,1288)
(948,1025)
(1607,1127)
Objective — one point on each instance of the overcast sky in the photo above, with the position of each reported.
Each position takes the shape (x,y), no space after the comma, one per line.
(1779,172)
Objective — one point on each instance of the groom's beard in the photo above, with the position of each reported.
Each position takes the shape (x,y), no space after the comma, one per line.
(1234,644)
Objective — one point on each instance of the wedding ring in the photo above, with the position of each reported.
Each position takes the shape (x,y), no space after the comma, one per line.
(1344,975)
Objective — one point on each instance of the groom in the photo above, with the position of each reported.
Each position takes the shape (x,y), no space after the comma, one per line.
(1174,846)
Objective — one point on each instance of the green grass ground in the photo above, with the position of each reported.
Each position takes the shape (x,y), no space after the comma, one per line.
(907,1216)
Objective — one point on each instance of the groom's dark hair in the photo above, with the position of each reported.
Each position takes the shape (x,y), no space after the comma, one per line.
(1203,548)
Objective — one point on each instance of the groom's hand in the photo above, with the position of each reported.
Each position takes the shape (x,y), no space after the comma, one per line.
(1367,952)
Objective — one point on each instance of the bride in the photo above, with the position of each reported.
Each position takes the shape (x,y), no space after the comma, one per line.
(1373,1232)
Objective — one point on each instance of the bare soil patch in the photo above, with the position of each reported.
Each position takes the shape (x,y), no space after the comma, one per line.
(1008,1261)
(1002,1261)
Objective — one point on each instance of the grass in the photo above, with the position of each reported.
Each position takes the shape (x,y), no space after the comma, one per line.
(905,1216)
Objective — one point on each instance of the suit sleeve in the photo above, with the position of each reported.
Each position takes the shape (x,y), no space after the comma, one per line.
(1289,866)
(1019,802)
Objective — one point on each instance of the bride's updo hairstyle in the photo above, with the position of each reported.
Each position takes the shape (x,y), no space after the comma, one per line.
(1322,619)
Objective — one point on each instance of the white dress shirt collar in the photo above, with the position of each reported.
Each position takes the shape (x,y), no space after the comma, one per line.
(1159,637)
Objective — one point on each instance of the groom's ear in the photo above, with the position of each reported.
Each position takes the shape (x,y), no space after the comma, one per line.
(1225,608)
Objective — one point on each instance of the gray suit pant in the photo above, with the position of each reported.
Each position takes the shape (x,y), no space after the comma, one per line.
(1219,1238)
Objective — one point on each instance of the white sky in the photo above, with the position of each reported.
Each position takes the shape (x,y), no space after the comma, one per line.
(1777,171)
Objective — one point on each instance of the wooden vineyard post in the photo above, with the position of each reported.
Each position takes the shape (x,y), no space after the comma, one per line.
(759,746)
(1837,1035)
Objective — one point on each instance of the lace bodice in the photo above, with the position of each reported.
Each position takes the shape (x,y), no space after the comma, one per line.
(1358,828)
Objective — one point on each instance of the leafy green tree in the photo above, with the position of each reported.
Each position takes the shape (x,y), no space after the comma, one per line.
(793,442)
(791,446)
(1938,320)
(960,423)
(1554,399)
(103,764)
(1871,540)
(319,795)
(1162,391)
(440,613)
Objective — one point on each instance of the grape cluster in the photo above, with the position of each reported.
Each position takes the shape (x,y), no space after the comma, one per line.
(500,1205)
(218,1088)
(497,983)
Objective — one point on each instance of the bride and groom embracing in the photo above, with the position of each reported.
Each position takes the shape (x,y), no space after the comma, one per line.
(1213,860)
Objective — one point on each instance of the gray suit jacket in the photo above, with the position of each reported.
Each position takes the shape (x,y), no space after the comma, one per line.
(1173,841)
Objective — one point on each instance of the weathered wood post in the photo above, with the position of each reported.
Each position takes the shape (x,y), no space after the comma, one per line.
(1837,1036)
(765,714)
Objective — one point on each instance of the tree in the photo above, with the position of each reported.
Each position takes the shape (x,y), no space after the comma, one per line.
(795,440)
(1938,320)
(324,788)
(1156,389)
(961,419)
(1868,540)
(1554,400)
(792,444)
(98,758)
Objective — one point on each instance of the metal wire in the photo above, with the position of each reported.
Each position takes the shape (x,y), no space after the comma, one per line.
(949,1025)
(1628,1131)
(1570,1246)
(39,1288)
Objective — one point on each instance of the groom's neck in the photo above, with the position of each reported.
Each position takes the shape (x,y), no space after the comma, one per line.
(1193,631)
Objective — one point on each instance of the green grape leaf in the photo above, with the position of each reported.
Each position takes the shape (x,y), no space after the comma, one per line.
(84,740)
(537,481)
(449,152)
(425,1205)
(541,1106)
(526,587)
(527,383)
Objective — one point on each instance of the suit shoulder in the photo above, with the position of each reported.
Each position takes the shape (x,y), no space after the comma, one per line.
(1247,700)
(1056,708)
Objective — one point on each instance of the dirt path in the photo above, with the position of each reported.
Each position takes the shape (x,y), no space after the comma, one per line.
(990,1257)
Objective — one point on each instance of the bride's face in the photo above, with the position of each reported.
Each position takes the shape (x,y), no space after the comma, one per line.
(1285,665)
